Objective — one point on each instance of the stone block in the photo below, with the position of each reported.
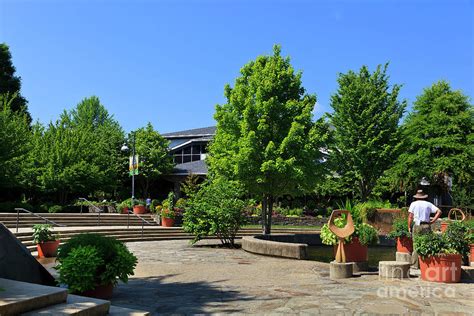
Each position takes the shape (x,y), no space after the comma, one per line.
(403,257)
(394,270)
(340,270)
(361,266)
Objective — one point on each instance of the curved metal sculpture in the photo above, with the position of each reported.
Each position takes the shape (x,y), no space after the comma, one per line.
(456,212)
(341,232)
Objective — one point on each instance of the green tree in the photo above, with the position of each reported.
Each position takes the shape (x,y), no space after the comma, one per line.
(154,159)
(14,135)
(265,136)
(11,84)
(438,142)
(366,136)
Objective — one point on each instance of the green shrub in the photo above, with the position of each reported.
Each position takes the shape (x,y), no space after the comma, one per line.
(366,233)
(399,228)
(9,207)
(215,210)
(453,241)
(428,244)
(42,233)
(455,237)
(181,204)
(55,209)
(366,211)
(88,260)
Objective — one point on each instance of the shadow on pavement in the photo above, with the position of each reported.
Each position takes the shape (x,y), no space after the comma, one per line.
(156,296)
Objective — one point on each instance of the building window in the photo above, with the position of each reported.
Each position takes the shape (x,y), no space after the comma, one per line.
(189,153)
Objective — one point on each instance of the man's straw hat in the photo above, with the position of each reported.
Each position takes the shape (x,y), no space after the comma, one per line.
(420,195)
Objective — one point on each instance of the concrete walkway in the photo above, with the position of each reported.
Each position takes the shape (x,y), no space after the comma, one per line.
(175,278)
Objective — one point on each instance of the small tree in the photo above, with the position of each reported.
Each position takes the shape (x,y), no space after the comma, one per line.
(154,159)
(265,136)
(215,210)
(365,120)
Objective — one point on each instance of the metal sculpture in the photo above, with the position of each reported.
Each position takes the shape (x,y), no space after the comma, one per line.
(341,232)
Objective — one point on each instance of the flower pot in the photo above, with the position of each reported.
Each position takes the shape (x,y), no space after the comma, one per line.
(444,226)
(442,268)
(48,249)
(125,210)
(471,257)
(405,244)
(167,222)
(100,291)
(355,251)
(139,209)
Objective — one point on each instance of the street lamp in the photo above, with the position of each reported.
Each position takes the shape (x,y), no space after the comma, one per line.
(126,149)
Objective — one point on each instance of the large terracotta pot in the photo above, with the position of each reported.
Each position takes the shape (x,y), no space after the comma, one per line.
(355,251)
(405,244)
(167,222)
(125,210)
(444,226)
(443,268)
(101,291)
(139,209)
(47,249)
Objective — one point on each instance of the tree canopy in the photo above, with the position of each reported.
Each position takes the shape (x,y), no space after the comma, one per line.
(10,83)
(266,138)
(365,120)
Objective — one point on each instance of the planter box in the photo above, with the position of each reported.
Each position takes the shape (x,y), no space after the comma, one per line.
(405,245)
(443,268)
(47,249)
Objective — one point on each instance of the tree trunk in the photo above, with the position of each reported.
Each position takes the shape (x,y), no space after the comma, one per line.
(268,229)
(264,214)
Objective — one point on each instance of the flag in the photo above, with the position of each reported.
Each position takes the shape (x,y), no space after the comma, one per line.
(133,165)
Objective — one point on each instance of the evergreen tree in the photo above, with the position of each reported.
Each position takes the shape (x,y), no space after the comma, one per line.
(11,84)
(265,136)
(365,120)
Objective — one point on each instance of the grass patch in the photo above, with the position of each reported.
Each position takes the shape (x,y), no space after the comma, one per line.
(285,227)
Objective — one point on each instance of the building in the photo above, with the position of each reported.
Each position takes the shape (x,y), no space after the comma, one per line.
(189,150)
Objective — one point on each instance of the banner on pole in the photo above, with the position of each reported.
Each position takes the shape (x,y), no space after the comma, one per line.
(133,165)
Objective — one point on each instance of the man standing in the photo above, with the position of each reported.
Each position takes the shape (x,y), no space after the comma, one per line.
(419,219)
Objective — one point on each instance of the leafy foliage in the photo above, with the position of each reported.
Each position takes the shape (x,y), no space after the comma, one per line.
(266,138)
(455,237)
(42,233)
(365,118)
(453,241)
(429,244)
(438,142)
(100,260)
(215,210)
(399,228)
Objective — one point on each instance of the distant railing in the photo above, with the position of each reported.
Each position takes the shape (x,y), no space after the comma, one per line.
(94,206)
(143,220)
(18,209)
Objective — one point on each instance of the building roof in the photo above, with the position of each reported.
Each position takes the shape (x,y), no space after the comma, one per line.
(192,133)
(198,167)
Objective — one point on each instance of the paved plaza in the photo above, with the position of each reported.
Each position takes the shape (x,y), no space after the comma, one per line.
(173,277)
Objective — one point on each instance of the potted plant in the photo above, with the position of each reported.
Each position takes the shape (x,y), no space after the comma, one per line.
(168,213)
(125,206)
(91,264)
(441,255)
(45,240)
(454,215)
(470,239)
(401,234)
(355,246)
(139,207)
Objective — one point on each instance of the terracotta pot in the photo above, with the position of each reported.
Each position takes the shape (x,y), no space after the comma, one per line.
(405,244)
(47,249)
(355,251)
(444,225)
(139,209)
(125,210)
(101,291)
(167,222)
(471,257)
(443,268)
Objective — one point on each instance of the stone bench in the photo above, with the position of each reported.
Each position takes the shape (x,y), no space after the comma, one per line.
(403,257)
(394,270)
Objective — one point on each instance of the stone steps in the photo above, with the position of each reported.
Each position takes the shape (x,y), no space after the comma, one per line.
(33,299)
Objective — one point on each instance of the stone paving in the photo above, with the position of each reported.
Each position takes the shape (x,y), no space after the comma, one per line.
(173,277)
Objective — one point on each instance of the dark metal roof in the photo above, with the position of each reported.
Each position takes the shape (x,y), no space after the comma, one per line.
(197,132)
(198,167)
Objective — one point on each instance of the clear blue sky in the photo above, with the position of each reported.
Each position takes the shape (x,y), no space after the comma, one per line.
(167,61)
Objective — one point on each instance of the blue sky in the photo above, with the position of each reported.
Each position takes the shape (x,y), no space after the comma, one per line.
(167,61)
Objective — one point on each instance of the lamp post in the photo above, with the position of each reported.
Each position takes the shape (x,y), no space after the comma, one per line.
(126,149)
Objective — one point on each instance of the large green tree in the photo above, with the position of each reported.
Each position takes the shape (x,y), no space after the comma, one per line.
(365,120)
(10,83)
(438,141)
(14,136)
(154,159)
(266,138)
(78,155)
